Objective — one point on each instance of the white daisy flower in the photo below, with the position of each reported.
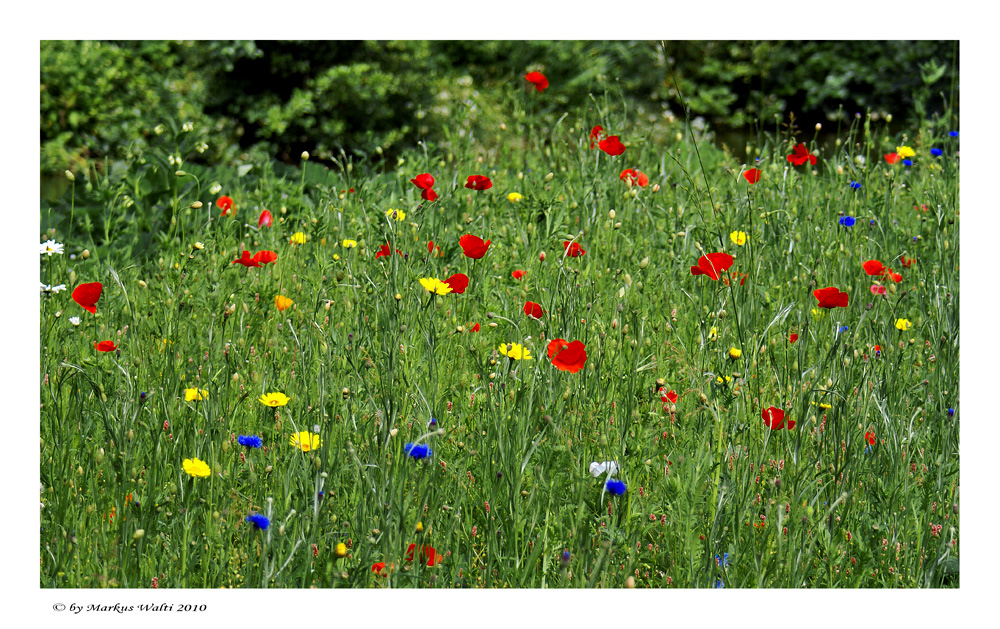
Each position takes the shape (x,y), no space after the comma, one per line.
(49,247)
(59,288)
(596,469)
(74,320)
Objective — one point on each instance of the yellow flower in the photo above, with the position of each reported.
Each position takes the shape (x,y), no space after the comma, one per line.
(190,395)
(738,237)
(197,468)
(298,238)
(514,197)
(349,244)
(515,351)
(904,151)
(199,246)
(903,324)
(713,334)
(282,303)
(822,405)
(305,441)
(274,399)
(336,257)
(434,285)
(341,549)
(816,312)
(396,214)
(735,353)
(721,381)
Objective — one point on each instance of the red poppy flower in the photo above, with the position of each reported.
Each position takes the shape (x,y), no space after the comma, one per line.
(428,195)
(518,274)
(424,181)
(895,277)
(431,248)
(264,257)
(380,569)
(458,282)
(246,260)
(800,155)
(830,297)
(265,219)
(877,289)
(226,203)
(634,177)
(573,249)
(478,182)
(733,277)
(752,175)
(473,246)
(105,346)
(878,350)
(533,310)
(906,262)
(87,295)
(426,553)
(870,438)
(774,418)
(712,264)
(669,396)
(595,134)
(383,251)
(874,267)
(474,327)
(538,80)
(565,356)
(611,145)
(892,158)
(793,337)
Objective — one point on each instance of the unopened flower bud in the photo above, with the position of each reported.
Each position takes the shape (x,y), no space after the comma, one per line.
(305,155)
(85,254)
(196,205)
(70,175)
(549,177)
(180,173)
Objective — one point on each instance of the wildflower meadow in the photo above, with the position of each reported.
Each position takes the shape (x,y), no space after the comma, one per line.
(596,348)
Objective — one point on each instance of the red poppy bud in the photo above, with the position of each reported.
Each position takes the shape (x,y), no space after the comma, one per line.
(265,219)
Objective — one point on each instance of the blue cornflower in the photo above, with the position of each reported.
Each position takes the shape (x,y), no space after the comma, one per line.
(258,521)
(250,441)
(719,584)
(432,424)
(565,558)
(872,222)
(936,152)
(417,452)
(722,562)
(847,221)
(868,449)
(907,162)
(951,412)
(843,329)
(615,486)
(953,134)
(855,185)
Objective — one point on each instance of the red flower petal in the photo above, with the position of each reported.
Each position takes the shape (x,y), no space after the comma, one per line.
(474,328)
(670,396)
(611,145)
(264,257)
(713,264)
(428,195)
(105,346)
(800,155)
(473,246)
(478,182)
(383,251)
(595,134)
(518,274)
(571,359)
(870,438)
(892,158)
(87,295)
(831,297)
(265,219)
(533,310)
(774,418)
(793,337)
(874,267)
(752,175)
(246,260)
(556,345)
(224,203)
(424,181)
(458,282)
(573,250)
(538,80)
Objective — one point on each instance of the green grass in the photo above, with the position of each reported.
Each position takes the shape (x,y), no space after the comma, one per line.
(368,356)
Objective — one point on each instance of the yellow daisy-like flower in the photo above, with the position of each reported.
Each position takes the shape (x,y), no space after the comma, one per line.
(823,405)
(274,399)
(396,215)
(336,257)
(738,237)
(903,324)
(341,549)
(305,441)
(434,285)
(349,244)
(721,381)
(197,468)
(515,351)
(735,353)
(514,197)
(191,395)
(905,151)
(298,238)
(713,334)
(282,303)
